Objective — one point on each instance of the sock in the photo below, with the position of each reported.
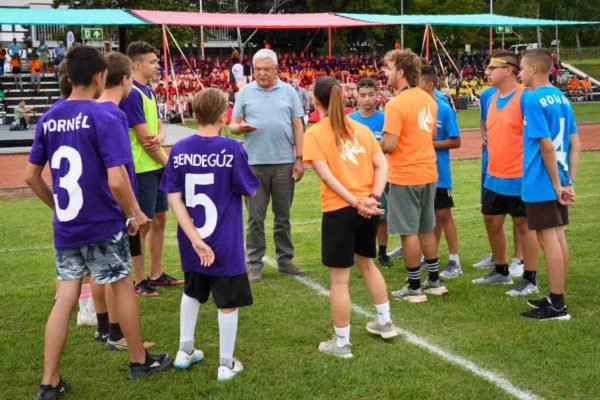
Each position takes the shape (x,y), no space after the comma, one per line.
(433,268)
(228,324)
(383,312)
(454,257)
(557,300)
(382,250)
(414,277)
(342,335)
(422,259)
(530,277)
(187,323)
(103,323)
(502,269)
(85,296)
(114,332)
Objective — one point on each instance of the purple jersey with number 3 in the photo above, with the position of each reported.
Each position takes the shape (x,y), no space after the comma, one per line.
(212,174)
(81,141)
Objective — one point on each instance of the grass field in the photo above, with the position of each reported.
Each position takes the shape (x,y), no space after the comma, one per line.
(588,65)
(278,336)
(469,119)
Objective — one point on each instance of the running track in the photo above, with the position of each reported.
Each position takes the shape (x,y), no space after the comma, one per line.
(12,166)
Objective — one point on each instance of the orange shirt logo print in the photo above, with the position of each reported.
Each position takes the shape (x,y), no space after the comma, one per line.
(425,119)
(351,149)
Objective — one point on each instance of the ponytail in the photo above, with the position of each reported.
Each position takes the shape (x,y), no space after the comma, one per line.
(329,93)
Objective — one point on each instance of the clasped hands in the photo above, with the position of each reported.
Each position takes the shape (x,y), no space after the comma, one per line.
(368,207)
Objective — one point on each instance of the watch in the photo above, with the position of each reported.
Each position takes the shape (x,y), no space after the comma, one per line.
(570,182)
(299,157)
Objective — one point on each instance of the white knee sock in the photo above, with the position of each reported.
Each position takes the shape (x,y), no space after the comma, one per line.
(342,335)
(227,335)
(86,303)
(383,312)
(187,323)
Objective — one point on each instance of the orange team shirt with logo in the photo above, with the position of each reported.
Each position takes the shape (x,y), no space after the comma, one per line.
(352,166)
(412,116)
(35,66)
(505,137)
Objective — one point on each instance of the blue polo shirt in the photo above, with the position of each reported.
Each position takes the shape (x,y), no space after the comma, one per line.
(447,128)
(271,112)
(374,122)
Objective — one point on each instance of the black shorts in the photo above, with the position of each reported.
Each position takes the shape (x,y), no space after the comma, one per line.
(546,215)
(345,233)
(443,199)
(230,292)
(16,70)
(152,200)
(499,204)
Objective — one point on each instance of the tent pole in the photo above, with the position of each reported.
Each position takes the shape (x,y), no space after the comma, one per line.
(329,29)
(491,40)
(427,42)
(166,71)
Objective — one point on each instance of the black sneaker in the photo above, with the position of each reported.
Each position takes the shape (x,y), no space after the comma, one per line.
(548,314)
(385,261)
(144,289)
(539,303)
(157,363)
(100,336)
(49,392)
(165,280)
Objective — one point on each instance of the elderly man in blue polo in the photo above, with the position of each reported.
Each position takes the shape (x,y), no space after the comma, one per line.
(268,112)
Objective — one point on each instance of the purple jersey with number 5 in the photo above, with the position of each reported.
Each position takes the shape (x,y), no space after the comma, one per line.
(212,174)
(80,140)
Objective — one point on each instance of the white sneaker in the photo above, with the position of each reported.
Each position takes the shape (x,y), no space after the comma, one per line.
(398,252)
(185,360)
(487,262)
(516,268)
(225,374)
(84,317)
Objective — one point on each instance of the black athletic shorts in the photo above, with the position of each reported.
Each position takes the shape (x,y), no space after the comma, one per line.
(546,215)
(345,233)
(443,199)
(231,292)
(152,200)
(499,204)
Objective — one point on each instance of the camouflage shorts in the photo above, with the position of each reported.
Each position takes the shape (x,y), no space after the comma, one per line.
(107,261)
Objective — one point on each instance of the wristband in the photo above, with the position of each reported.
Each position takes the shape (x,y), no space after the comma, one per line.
(374,196)
(299,157)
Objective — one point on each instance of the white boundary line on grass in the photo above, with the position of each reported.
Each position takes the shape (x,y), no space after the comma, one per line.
(489,376)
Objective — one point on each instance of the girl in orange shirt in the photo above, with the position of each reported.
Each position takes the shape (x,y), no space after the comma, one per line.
(353,173)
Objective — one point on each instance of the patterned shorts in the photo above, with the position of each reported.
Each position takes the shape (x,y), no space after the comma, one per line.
(107,261)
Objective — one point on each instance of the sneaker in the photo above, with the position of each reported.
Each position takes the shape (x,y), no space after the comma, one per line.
(494,278)
(539,303)
(410,295)
(516,267)
(101,337)
(523,288)
(121,345)
(331,347)
(436,288)
(423,267)
(385,261)
(225,373)
(487,262)
(86,317)
(49,392)
(290,269)
(452,270)
(144,289)
(398,252)
(548,314)
(165,280)
(386,331)
(254,275)
(158,363)
(184,360)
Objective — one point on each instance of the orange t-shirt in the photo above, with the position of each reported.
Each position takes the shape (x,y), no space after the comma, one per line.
(574,83)
(36,67)
(586,83)
(352,166)
(505,137)
(412,116)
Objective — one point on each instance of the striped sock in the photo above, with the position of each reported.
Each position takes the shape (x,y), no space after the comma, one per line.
(414,277)
(433,269)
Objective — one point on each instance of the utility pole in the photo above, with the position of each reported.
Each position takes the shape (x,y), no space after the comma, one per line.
(201,35)
(239,33)
(402,25)
(491,28)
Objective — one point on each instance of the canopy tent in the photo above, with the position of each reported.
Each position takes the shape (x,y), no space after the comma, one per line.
(64,16)
(461,20)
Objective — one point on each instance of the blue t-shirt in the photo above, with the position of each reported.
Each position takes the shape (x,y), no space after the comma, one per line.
(548,114)
(484,103)
(447,128)
(374,122)
(212,174)
(505,186)
(440,96)
(81,141)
